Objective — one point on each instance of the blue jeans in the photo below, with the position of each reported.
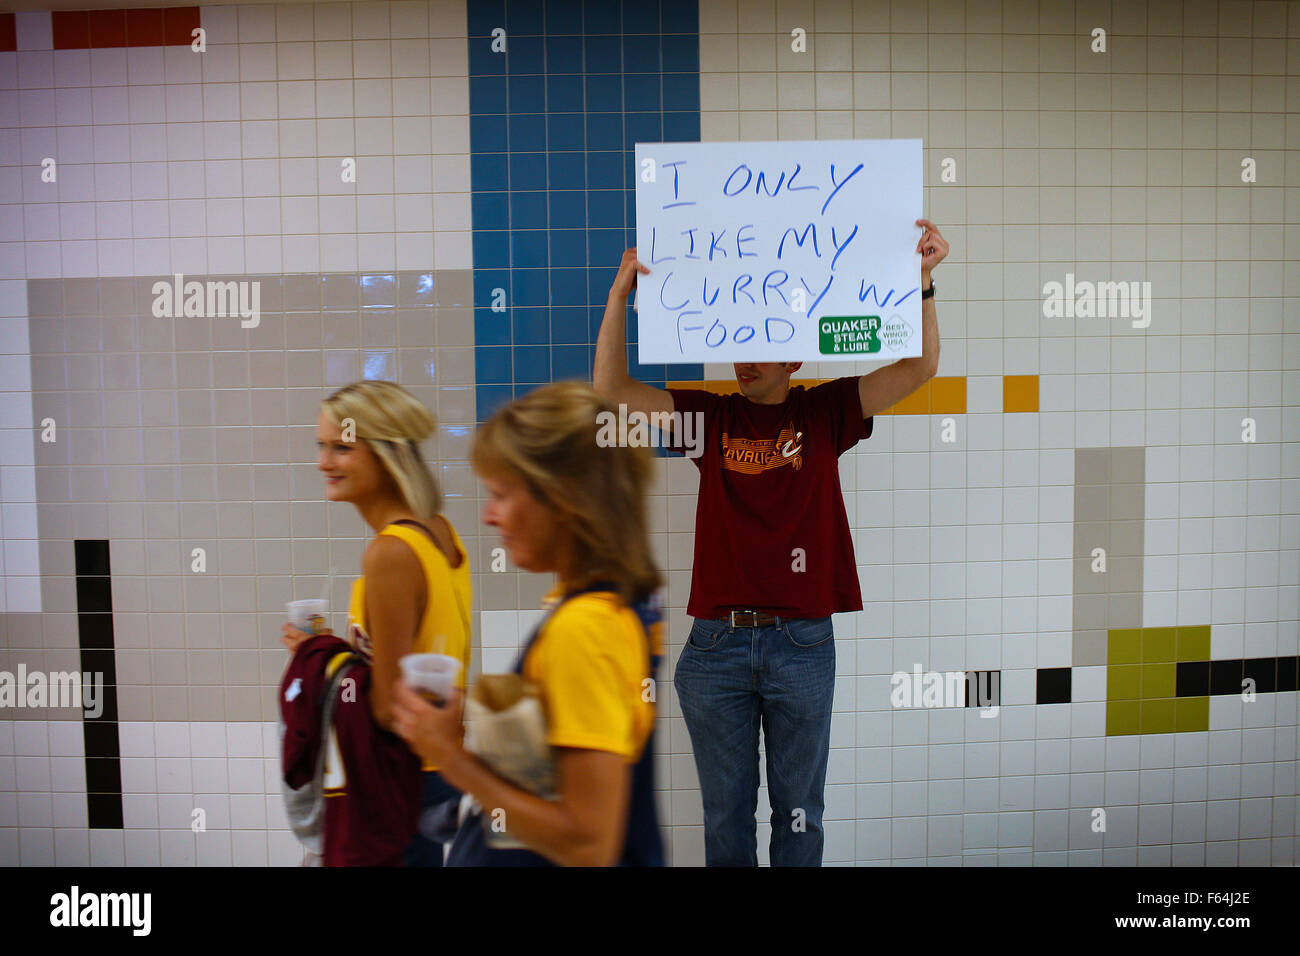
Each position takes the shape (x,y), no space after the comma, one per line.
(728,682)
(423,851)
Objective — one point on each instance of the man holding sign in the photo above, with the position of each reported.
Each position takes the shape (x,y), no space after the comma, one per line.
(773,560)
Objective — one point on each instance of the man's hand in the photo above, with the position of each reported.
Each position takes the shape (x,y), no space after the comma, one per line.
(625,281)
(933,248)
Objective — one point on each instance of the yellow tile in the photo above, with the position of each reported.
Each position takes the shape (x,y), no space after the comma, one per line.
(1157,644)
(918,403)
(1124,646)
(1020,393)
(948,395)
(1157,716)
(1124,682)
(1158,680)
(1193,714)
(1194,643)
(1122,717)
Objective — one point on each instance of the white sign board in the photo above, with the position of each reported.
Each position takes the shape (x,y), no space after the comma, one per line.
(779,252)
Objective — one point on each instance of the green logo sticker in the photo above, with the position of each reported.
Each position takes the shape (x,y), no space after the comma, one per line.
(849,334)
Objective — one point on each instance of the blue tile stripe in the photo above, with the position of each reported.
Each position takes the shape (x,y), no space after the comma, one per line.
(553,124)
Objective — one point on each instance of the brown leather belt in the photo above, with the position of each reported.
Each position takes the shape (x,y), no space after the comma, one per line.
(753,619)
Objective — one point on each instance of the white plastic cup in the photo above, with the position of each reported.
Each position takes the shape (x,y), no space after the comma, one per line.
(310,615)
(431,674)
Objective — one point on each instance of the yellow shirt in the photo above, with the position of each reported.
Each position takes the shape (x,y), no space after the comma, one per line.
(445,627)
(591,665)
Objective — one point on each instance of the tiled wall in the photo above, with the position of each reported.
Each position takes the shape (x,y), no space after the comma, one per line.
(479,171)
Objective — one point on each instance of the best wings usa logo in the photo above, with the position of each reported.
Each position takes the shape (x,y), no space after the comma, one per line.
(752,457)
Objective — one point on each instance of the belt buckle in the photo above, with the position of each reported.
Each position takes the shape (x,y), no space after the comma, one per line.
(753,619)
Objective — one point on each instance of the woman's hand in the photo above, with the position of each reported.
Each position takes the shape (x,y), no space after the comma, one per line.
(291,637)
(933,248)
(433,733)
(625,281)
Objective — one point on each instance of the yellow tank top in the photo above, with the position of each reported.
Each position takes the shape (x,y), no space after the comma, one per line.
(445,627)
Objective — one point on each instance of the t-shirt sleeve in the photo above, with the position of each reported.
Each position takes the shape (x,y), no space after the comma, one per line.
(839,403)
(590,669)
(690,401)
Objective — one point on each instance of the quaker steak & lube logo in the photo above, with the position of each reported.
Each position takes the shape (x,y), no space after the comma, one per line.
(849,334)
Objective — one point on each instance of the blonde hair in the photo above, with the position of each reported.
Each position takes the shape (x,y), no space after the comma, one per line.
(548,440)
(392,422)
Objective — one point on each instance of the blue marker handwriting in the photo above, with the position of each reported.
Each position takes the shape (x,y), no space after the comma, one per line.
(788,215)
(712,244)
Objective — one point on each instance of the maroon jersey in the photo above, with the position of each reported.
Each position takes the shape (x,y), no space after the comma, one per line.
(372,781)
(771,533)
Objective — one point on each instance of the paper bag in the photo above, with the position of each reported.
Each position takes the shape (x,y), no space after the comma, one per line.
(505,726)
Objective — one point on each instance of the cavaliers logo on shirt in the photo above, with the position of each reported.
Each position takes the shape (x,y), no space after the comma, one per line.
(751,457)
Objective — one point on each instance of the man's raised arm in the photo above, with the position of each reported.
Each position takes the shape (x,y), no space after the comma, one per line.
(889,385)
(609,375)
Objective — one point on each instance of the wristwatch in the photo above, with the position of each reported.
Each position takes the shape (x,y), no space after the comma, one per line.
(929,293)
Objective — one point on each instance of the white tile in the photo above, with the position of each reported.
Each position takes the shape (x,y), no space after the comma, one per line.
(107,848)
(35,30)
(9,848)
(142,847)
(69,810)
(36,846)
(31,738)
(249,848)
(177,848)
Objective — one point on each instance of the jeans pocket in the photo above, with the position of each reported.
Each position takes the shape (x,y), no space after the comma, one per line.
(707,635)
(809,632)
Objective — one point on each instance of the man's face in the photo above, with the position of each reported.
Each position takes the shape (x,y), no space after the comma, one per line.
(765,383)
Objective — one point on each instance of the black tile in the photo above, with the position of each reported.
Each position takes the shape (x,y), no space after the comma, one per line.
(1055,685)
(101,739)
(91,556)
(1225,677)
(95,629)
(1192,679)
(107,704)
(100,661)
(95,639)
(94,594)
(104,811)
(103,775)
(1288,673)
(1263,670)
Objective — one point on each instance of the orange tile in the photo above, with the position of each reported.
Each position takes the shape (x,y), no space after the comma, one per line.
(1020,393)
(178,23)
(948,395)
(70,29)
(918,403)
(107,29)
(144,27)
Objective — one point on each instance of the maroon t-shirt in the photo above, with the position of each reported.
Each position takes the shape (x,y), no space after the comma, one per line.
(771,533)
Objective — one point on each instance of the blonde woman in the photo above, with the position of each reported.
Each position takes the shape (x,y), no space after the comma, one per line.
(414,593)
(566,506)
